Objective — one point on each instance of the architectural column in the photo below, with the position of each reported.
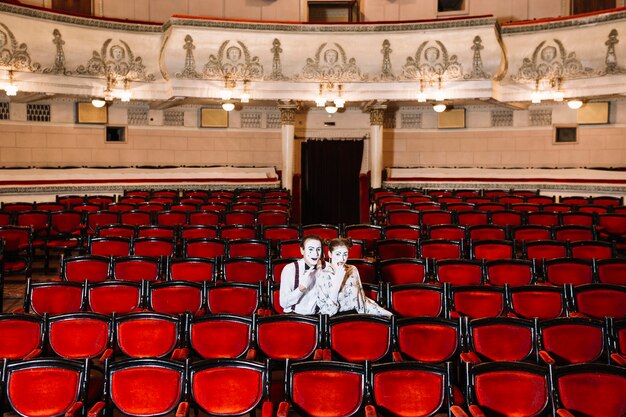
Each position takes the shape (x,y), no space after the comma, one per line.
(377,115)
(287,120)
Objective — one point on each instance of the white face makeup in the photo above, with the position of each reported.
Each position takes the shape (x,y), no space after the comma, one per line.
(338,257)
(312,251)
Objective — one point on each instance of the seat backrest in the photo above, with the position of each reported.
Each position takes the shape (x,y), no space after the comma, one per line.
(446,231)
(269,217)
(79,335)
(393,386)
(204,248)
(205,217)
(110,246)
(486,232)
(414,300)
(368,270)
(600,300)
(176,297)
(358,337)
(475,301)
(229,387)
(20,335)
(510,389)
(440,249)
(492,249)
(234,298)
(146,386)
(199,231)
(429,339)
(238,231)
(571,340)
(254,248)
(403,217)
(593,249)
(245,269)
(116,230)
(325,231)
(220,335)
(611,271)
(289,336)
(92,268)
(513,272)
(27,386)
(574,233)
(191,269)
(403,271)
(590,389)
(561,271)
(308,382)
(154,246)
(541,301)
(148,335)
(401,231)
(502,339)
(114,296)
(136,268)
(53,297)
(459,271)
(472,218)
(531,232)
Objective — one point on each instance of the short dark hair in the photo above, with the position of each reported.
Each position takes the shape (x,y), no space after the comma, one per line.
(311,237)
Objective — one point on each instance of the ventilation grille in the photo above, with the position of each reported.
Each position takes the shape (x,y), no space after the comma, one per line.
(173,118)
(138,116)
(540,117)
(250,119)
(411,120)
(38,112)
(273,120)
(4,110)
(502,118)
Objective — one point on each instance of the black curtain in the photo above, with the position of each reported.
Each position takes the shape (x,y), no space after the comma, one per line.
(330,181)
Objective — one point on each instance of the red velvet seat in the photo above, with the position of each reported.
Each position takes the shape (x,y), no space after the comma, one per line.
(176,297)
(37,220)
(476,301)
(205,217)
(531,233)
(230,387)
(428,339)
(114,296)
(79,335)
(359,337)
(434,217)
(53,297)
(404,217)
(171,218)
(589,390)
(70,200)
(110,246)
(569,340)
(116,230)
(574,200)
(220,335)
(143,387)
(541,301)
(508,389)
(325,231)
(368,233)
(500,339)
(473,218)
(21,336)
(440,249)
(46,387)
(100,218)
(154,247)
(611,271)
(289,336)
(543,218)
(254,248)
(491,250)
(120,207)
(272,217)
(204,248)
(192,269)
(403,271)
(238,231)
(136,217)
(160,231)
(368,270)
(395,248)
(617,329)
(486,232)
(149,335)
(136,268)
(198,231)
(574,233)
(509,218)
(289,248)
(512,272)
(410,388)
(574,271)
(239,298)
(593,249)
(342,384)
(239,217)
(577,218)
(280,232)
(92,268)
(599,300)
(541,251)
(17,250)
(459,271)
(446,231)
(414,300)
(245,269)
(608,201)
(401,231)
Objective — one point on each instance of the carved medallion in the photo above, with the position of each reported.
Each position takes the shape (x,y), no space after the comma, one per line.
(233,61)
(331,64)
(550,62)
(432,63)
(116,61)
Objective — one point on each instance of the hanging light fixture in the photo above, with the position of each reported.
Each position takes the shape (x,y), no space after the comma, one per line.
(440,107)
(126,94)
(10,88)
(421,95)
(340,102)
(575,104)
(227,92)
(245,95)
(535,96)
(331,108)
(228,106)
(440,94)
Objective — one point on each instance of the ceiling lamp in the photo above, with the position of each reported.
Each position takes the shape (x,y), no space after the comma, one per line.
(10,88)
(245,95)
(229,84)
(228,106)
(331,108)
(440,107)
(126,94)
(575,104)
(98,102)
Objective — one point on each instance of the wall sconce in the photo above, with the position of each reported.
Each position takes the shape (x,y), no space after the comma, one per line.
(535,96)
(331,108)
(98,102)
(421,95)
(558,94)
(245,95)
(440,107)
(575,104)
(338,102)
(126,94)
(229,85)
(440,94)
(10,88)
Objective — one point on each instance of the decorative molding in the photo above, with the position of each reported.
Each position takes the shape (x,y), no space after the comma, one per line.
(541,117)
(173,118)
(331,64)
(377,115)
(551,62)
(411,120)
(189,70)
(386,73)
(14,55)
(287,114)
(431,64)
(563,23)
(117,61)
(272,120)
(478,73)
(137,116)
(501,118)
(612,66)
(233,62)
(277,68)
(251,119)
(59,58)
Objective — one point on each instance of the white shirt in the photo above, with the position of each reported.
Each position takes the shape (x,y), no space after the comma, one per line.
(291,298)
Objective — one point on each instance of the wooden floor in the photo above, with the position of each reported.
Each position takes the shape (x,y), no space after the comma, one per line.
(15,286)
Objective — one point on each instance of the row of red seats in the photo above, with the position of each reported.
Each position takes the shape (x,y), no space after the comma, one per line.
(149,386)
(351,338)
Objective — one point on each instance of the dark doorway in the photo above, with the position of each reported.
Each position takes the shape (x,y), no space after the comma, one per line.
(586,6)
(330,181)
(73,6)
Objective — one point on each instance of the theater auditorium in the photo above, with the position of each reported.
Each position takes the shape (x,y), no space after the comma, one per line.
(162,162)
